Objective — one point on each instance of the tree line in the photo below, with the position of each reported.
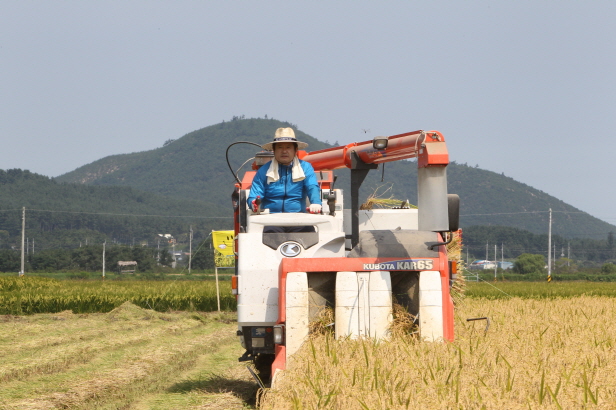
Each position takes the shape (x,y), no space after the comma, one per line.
(90,258)
(512,242)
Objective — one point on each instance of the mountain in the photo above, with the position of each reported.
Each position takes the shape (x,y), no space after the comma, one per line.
(194,167)
(67,215)
(191,167)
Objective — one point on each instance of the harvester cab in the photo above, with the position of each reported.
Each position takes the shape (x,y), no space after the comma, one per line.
(356,263)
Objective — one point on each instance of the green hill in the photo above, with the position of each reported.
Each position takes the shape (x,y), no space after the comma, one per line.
(194,167)
(68,215)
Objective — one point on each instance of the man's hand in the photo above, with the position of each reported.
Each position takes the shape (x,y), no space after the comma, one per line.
(256,203)
(314,209)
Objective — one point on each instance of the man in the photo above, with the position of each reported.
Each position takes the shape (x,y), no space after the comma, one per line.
(284,184)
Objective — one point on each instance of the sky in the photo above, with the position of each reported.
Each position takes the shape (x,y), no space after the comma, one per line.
(523,88)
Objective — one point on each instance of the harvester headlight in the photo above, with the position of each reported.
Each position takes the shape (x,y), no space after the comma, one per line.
(279,334)
(379,142)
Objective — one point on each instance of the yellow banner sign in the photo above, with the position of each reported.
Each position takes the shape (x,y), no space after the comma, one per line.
(223,248)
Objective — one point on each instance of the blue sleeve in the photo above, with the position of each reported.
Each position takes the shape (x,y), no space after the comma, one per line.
(257,188)
(313,190)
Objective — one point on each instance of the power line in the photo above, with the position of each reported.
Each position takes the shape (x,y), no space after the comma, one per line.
(116,214)
(528,212)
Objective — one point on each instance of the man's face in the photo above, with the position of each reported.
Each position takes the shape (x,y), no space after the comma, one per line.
(284,152)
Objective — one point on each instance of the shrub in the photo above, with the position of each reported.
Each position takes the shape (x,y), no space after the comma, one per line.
(608,268)
(529,263)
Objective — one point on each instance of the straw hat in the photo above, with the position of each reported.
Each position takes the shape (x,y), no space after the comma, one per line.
(284,135)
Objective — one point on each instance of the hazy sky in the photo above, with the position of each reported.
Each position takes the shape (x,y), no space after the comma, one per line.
(526,88)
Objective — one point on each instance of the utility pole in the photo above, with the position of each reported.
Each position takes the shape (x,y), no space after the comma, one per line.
(23,240)
(495,263)
(104,243)
(554,256)
(550,248)
(190,250)
(173,251)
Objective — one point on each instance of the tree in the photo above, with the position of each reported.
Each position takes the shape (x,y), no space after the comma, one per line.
(51,260)
(145,258)
(4,239)
(10,260)
(608,268)
(164,257)
(203,258)
(529,263)
(565,265)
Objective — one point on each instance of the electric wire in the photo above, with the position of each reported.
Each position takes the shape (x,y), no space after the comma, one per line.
(483,280)
(526,212)
(119,214)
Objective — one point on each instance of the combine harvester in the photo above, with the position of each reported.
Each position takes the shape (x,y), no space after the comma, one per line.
(357,262)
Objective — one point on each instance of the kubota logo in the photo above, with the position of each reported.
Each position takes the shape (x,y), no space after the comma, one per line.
(290,249)
(405,264)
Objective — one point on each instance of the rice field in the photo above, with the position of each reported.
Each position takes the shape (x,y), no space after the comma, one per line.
(129,358)
(29,295)
(547,346)
(552,353)
(538,290)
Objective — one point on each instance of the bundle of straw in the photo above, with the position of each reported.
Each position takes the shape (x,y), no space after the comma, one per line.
(454,253)
(378,200)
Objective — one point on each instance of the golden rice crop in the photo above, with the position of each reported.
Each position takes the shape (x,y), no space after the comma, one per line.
(555,354)
(28,295)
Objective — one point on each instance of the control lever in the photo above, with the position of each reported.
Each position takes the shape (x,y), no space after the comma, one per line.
(256,205)
(331,198)
(258,202)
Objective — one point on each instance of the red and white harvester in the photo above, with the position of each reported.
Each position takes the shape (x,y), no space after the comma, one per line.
(357,262)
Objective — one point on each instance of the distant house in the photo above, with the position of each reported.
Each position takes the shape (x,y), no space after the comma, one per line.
(127,267)
(482,264)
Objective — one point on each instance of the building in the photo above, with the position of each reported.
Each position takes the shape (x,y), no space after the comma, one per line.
(482,264)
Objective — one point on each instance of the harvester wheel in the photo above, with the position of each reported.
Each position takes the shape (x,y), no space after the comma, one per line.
(263,364)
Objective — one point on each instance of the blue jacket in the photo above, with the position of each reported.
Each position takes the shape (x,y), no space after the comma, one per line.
(285,195)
